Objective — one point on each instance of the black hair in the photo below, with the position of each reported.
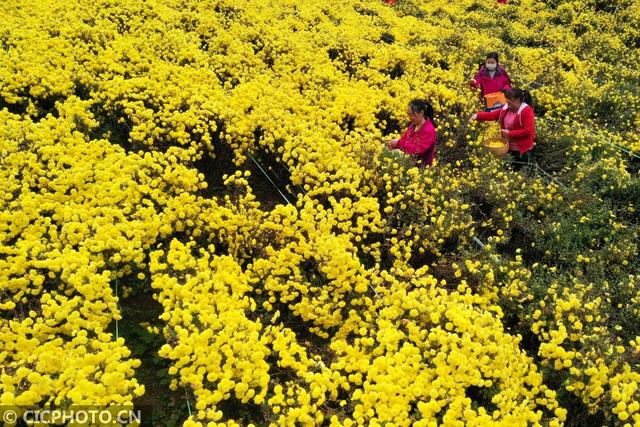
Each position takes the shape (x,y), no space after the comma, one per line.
(493,55)
(522,95)
(422,106)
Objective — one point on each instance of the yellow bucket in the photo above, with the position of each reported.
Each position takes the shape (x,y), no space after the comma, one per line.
(497,145)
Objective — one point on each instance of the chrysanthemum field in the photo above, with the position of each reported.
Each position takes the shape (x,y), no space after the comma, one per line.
(198,213)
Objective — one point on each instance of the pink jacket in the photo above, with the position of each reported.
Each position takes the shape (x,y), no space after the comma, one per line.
(421,143)
(522,137)
(487,84)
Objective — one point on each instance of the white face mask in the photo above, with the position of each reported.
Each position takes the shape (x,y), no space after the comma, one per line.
(491,67)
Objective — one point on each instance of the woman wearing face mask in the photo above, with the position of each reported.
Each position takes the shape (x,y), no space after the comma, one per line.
(517,124)
(420,137)
(491,76)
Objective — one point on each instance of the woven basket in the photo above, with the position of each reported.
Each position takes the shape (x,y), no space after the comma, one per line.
(492,145)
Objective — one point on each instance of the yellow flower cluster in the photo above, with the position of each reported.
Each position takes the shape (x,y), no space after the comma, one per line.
(433,346)
(423,346)
(218,351)
(76,213)
(571,330)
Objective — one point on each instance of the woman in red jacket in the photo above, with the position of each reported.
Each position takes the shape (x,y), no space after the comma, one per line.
(420,137)
(491,77)
(517,124)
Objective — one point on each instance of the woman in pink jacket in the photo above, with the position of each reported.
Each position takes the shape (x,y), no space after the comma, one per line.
(517,124)
(420,137)
(491,77)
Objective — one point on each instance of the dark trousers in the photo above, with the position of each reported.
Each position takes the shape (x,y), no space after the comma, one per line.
(519,160)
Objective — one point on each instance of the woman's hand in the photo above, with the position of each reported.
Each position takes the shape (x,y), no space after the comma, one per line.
(504,133)
(472,83)
(474,117)
(392,143)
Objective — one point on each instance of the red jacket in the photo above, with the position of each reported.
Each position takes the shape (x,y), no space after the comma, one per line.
(487,84)
(421,143)
(502,1)
(521,137)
